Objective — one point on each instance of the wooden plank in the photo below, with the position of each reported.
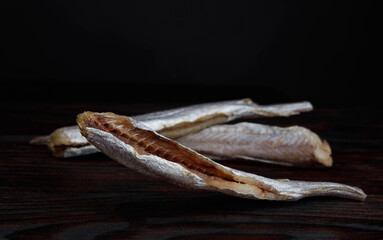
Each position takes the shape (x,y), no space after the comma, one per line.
(93,197)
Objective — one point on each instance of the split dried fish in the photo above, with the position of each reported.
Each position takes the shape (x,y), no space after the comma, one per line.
(141,149)
(291,146)
(68,141)
(185,120)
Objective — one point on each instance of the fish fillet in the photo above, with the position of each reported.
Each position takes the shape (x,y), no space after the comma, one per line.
(291,146)
(141,149)
(68,141)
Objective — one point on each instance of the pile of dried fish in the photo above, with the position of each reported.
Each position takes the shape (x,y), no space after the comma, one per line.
(144,143)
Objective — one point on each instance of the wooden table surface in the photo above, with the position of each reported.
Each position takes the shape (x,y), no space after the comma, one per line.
(93,197)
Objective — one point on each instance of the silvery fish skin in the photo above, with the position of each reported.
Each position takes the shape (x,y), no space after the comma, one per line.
(141,149)
(68,141)
(290,146)
(185,120)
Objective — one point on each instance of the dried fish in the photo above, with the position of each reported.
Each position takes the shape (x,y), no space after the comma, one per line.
(291,146)
(68,142)
(141,149)
(185,120)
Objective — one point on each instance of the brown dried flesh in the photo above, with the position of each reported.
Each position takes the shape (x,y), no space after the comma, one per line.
(147,142)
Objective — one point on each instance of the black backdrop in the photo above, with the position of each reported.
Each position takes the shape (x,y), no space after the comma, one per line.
(144,51)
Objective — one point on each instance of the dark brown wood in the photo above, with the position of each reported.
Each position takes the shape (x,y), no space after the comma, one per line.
(93,197)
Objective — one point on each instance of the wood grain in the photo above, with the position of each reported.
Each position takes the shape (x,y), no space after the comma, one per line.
(93,197)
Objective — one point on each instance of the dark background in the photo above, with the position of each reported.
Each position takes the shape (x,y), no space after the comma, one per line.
(326,52)
(62,57)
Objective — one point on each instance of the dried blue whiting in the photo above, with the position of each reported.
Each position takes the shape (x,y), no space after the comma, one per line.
(142,149)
